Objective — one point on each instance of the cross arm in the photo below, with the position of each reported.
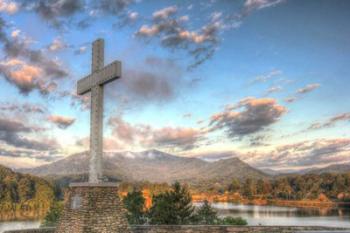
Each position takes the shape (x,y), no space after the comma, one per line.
(100,77)
(108,73)
(84,85)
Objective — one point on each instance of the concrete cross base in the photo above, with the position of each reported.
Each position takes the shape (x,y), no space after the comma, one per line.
(93,208)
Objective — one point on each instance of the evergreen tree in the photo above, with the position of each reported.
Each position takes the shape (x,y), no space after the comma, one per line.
(172,207)
(134,202)
(206,214)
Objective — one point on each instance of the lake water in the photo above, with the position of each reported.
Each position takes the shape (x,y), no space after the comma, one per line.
(18,225)
(255,215)
(285,216)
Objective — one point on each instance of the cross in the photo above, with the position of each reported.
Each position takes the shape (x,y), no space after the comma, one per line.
(94,83)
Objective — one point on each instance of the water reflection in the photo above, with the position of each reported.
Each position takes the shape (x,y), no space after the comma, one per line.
(273,215)
(18,225)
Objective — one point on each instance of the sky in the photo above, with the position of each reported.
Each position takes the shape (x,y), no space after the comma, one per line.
(263,80)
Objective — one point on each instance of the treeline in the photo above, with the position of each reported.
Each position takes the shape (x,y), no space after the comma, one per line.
(292,187)
(296,187)
(23,196)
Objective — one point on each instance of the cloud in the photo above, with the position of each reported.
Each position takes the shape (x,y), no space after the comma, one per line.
(212,156)
(311,153)
(302,91)
(308,88)
(83,101)
(290,99)
(174,34)
(17,49)
(109,144)
(154,80)
(274,89)
(184,138)
(56,13)
(11,133)
(9,7)
(175,138)
(56,45)
(23,108)
(254,5)
(13,126)
(127,19)
(330,122)
(27,158)
(61,122)
(26,68)
(15,33)
(266,77)
(133,15)
(114,7)
(187,115)
(255,116)
(80,50)
(22,142)
(164,13)
(295,156)
(25,77)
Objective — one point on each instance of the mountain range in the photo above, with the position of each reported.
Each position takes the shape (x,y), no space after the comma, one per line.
(333,168)
(153,166)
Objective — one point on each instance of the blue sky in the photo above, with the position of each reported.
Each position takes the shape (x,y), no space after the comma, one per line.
(264,80)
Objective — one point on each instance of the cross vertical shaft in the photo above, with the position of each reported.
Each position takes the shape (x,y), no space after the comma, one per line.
(96,131)
(94,83)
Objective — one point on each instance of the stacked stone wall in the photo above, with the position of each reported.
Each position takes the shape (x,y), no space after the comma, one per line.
(207,229)
(92,209)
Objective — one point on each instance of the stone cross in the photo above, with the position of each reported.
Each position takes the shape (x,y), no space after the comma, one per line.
(94,83)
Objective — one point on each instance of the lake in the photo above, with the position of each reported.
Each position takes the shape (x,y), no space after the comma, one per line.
(255,215)
(285,216)
(17,225)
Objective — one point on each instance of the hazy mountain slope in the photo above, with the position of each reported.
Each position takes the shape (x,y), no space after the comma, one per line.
(153,166)
(335,168)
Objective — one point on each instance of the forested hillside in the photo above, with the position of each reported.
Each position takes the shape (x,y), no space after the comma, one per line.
(23,196)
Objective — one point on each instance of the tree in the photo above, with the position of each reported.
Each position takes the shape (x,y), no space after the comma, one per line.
(235,185)
(134,202)
(283,189)
(206,214)
(26,188)
(260,186)
(172,207)
(249,189)
(13,188)
(52,217)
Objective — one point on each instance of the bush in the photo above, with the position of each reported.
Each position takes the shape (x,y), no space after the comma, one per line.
(232,221)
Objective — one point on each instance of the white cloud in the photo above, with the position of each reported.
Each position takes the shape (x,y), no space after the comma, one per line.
(165,12)
(9,7)
(56,45)
(15,33)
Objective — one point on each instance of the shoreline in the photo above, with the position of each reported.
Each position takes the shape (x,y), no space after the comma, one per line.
(237,199)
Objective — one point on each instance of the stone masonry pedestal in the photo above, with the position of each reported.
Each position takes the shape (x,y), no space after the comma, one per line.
(93,208)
